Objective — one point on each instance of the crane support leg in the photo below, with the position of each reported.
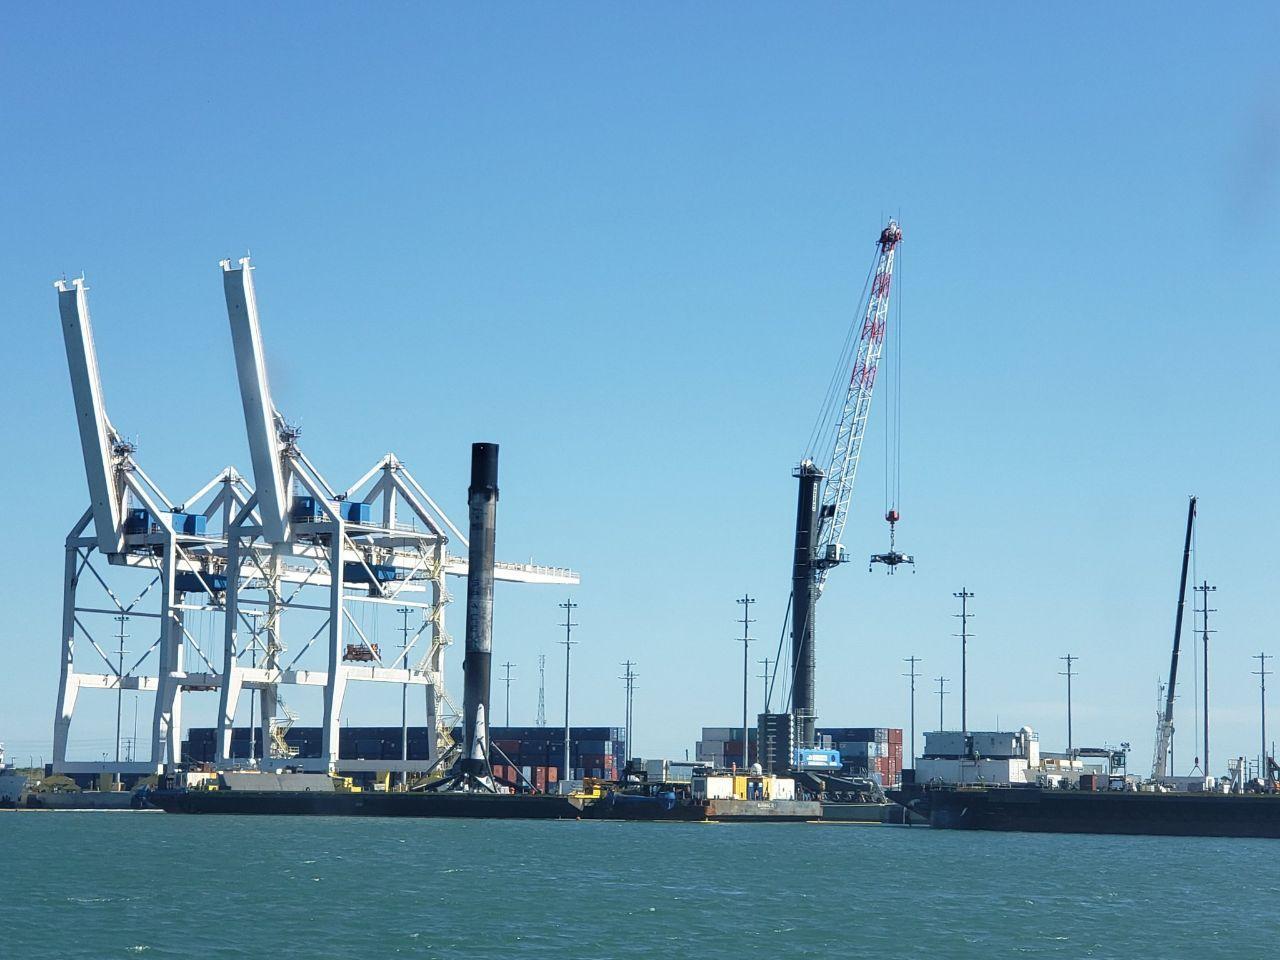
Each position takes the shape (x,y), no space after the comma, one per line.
(804,591)
(336,685)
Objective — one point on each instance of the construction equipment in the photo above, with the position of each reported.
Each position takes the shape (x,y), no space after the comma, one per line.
(825,493)
(1164,722)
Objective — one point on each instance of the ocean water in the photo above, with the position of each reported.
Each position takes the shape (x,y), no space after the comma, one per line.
(121,885)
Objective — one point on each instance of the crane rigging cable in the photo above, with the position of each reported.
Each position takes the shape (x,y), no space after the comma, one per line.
(822,436)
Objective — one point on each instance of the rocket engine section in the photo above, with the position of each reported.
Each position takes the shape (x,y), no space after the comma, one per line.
(482,502)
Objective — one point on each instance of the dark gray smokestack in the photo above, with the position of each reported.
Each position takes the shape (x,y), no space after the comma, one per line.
(482,502)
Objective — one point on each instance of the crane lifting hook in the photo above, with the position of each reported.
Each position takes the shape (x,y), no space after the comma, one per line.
(893,558)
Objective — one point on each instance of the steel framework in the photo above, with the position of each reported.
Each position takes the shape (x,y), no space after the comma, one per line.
(261,560)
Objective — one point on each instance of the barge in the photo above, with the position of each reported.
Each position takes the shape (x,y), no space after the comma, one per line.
(1136,812)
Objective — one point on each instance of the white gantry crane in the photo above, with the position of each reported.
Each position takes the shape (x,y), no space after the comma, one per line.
(218,573)
(145,538)
(382,541)
(825,494)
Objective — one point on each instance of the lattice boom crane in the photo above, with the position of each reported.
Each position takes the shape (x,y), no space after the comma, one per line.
(825,495)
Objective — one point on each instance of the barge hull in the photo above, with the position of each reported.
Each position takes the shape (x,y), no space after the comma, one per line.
(1110,812)
(324,804)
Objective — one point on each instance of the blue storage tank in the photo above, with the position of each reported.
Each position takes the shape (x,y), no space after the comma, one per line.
(191,524)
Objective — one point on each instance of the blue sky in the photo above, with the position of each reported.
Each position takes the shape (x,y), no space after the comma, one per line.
(626,243)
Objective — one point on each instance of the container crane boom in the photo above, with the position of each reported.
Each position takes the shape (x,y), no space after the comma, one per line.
(102,447)
(824,495)
(263,423)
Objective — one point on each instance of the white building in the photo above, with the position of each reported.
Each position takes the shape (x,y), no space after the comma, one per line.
(952,756)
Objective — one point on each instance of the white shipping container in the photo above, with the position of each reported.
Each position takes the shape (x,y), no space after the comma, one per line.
(713,788)
(782,789)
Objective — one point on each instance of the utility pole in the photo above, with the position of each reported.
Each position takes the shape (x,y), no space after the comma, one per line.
(1204,590)
(913,660)
(123,619)
(404,695)
(746,600)
(541,719)
(942,692)
(765,677)
(1070,659)
(964,596)
(568,607)
(507,678)
(255,634)
(1261,673)
(630,678)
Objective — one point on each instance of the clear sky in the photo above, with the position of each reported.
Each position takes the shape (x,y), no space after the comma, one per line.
(625,242)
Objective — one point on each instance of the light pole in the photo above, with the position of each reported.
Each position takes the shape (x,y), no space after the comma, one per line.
(123,619)
(1261,673)
(913,660)
(1204,589)
(746,600)
(765,677)
(568,607)
(507,678)
(1070,659)
(541,718)
(964,596)
(629,676)
(404,695)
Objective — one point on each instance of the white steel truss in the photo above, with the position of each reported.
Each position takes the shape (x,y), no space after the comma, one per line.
(245,560)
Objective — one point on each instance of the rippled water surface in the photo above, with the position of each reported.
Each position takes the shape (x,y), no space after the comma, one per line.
(94,885)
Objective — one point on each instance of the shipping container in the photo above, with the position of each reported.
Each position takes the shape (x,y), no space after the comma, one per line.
(189,524)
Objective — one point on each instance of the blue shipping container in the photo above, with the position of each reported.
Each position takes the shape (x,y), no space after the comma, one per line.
(190,582)
(192,524)
(354,511)
(305,510)
(137,521)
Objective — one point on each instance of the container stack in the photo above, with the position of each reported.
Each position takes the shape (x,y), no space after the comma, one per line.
(593,751)
(722,747)
(874,752)
(537,751)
